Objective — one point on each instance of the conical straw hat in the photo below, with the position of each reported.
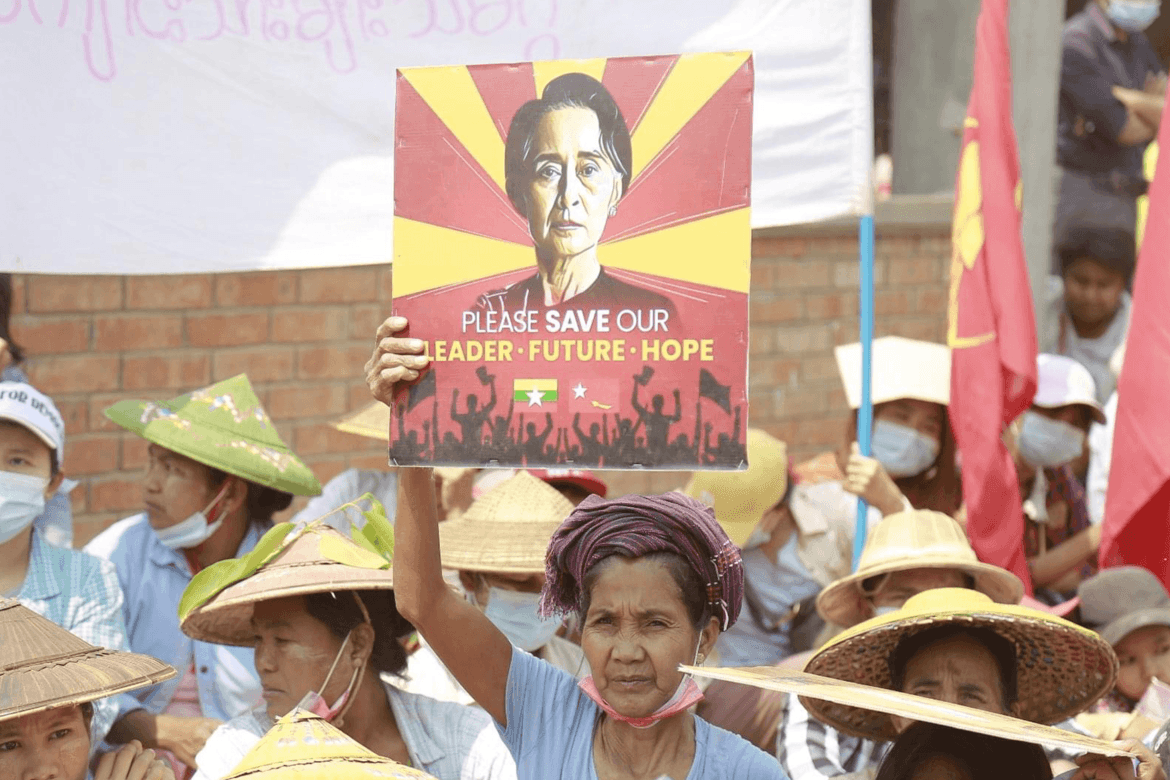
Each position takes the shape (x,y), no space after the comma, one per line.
(222,426)
(902,368)
(740,498)
(1061,668)
(373,422)
(217,604)
(43,666)
(507,529)
(303,746)
(920,539)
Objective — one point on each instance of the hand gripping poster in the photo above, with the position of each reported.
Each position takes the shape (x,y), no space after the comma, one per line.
(572,243)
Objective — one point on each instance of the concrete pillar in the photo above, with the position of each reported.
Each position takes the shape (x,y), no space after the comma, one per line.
(1035,28)
(934,52)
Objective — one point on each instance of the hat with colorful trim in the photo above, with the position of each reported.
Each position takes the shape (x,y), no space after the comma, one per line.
(217,604)
(304,746)
(1061,668)
(43,666)
(222,426)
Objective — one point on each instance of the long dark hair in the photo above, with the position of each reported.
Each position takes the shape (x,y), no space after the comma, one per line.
(939,487)
(981,757)
(5,316)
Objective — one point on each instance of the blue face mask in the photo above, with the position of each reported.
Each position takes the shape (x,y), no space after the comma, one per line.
(903,451)
(1133,15)
(1047,442)
(515,614)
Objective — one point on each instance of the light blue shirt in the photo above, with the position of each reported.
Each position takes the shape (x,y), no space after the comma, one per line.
(80,593)
(763,634)
(153,578)
(551,722)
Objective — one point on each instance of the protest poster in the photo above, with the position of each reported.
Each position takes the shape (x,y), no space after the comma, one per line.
(572,242)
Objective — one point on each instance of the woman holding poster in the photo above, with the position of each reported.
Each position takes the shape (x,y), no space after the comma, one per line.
(653,581)
(567,163)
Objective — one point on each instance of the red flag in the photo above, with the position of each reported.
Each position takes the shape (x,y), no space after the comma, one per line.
(991,327)
(1137,507)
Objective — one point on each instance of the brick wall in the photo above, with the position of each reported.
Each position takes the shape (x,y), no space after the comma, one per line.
(303,336)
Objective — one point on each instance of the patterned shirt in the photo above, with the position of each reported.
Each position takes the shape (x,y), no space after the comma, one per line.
(80,593)
(447,740)
(1063,486)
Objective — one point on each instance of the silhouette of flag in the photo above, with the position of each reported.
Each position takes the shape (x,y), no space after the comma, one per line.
(710,389)
(420,391)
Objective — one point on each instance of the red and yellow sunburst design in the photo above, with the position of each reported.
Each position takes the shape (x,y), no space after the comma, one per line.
(634,392)
(688,202)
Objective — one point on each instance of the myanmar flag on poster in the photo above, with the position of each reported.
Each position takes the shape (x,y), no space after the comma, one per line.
(594,396)
(535,392)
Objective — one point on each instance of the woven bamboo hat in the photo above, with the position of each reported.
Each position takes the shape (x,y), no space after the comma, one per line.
(222,426)
(902,368)
(920,539)
(43,666)
(507,529)
(303,746)
(1061,667)
(740,498)
(372,421)
(217,604)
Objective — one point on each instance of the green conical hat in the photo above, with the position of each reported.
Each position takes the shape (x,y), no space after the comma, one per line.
(222,426)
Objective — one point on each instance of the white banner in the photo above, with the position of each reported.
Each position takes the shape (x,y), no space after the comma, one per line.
(179,136)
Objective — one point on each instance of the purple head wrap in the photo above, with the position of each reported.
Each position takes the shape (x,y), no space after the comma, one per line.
(634,526)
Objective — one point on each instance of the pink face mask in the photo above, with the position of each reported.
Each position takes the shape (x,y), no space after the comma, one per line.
(315,702)
(686,696)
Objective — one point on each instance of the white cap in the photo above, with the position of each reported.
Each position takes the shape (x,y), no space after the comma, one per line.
(902,368)
(1062,381)
(24,404)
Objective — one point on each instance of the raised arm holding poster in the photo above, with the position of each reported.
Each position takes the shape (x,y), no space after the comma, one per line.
(572,241)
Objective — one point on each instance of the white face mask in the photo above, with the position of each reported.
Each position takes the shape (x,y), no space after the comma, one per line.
(193,531)
(1047,442)
(516,615)
(902,450)
(22,499)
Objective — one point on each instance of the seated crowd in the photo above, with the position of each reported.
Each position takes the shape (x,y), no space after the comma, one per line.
(519,624)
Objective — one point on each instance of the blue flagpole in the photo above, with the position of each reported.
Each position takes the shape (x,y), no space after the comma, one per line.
(865,411)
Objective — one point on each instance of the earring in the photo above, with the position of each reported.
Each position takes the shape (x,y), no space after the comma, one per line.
(613,211)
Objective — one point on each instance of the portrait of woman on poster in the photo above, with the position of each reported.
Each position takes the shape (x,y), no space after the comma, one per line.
(567,164)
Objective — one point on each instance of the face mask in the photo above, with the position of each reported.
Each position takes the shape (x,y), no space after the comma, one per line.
(22,499)
(193,531)
(1049,443)
(315,702)
(685,696)
(1132,15)
(903,451)
(515,614)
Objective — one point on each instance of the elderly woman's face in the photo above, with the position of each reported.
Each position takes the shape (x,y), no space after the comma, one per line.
(294,651)
(958,670)
(636,633)
(49,744)
(572,185)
